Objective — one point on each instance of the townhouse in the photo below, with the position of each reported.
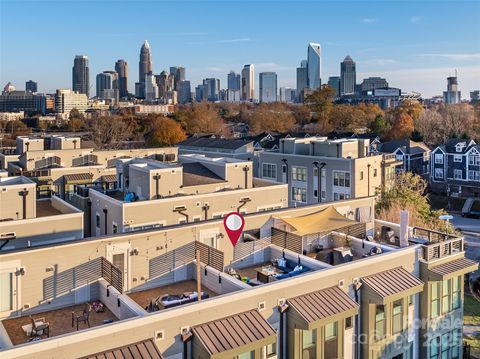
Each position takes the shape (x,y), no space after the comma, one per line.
(455,168)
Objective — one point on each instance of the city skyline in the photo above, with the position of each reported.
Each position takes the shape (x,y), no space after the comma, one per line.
(416,53)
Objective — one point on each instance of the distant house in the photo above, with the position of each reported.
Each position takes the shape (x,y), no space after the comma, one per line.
(455,168)
(415,155)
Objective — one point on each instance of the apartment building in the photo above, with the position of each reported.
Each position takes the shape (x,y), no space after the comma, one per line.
(455,168)
(297,285)
(62,164)
(26,221)
(152,194)
(319,170)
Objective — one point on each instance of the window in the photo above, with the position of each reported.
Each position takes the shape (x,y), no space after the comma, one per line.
(340,196)
(284,169)
(435,348)
(457,158)
(315,193)
(269,170)
(457,288)
(299,174)
(341,179)
(247,355)
(331,331)
(457,174)
(474,175)
(435,299)
(439,159)
(114,228)
(309,339)
(446,304)
(438,172)
(315,172)
(379,322)
(445,345)
(397,316)
(456,343)
(324,194)
(349,323)
(323,173)
(299,194)
(6,283)
(361,175)
(271,350)
(374,172)
(97,220)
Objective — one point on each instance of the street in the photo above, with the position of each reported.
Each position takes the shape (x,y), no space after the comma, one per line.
(470,227)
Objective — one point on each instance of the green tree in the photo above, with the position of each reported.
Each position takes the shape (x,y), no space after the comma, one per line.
(379,125)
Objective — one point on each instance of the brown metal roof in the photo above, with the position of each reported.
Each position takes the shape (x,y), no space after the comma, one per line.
(393,281)
(109,178)
(145,349)
(457,265)
(323,304)
(78,177)
(233,332)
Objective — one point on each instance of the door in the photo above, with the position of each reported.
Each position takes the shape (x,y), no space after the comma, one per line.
(118,255)
(8,294)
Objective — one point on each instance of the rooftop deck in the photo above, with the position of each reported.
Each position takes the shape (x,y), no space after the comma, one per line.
(60,321)
(144,297)
(45,209)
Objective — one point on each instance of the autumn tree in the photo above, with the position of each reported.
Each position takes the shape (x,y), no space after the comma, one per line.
(271,117)
(17,128)
(320,103)
(200,118)
(302,114)
(402,127)
(458,120)
(109,131)
(164,132)
(413,108)
(430,126)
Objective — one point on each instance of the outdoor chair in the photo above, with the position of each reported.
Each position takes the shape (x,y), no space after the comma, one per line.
(83,317)
(39,327)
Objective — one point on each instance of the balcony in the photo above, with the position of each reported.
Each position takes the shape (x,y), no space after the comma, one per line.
(435,244)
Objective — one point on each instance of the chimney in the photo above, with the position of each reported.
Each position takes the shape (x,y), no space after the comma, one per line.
(404,215)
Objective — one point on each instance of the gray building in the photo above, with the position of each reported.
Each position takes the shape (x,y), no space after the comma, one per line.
(144,68)
(314,66)
(233,81)
(268,86)
(81,75)
(31,86)
(372,83)
(184,92)
(302,80)
(107,85)
(212,86)
(248,83)
(452,95)
(347,76)
(201,93)
(16,101)
(287,94)
(334,82)
(121,67)
(178,73)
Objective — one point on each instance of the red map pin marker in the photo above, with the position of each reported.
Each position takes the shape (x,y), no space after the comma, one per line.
(233,223)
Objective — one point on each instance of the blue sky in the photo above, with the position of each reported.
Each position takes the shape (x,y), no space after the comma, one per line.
(414,44)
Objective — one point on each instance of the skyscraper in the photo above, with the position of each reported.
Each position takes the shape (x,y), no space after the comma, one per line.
(233,81)
(452,95)
(144,68)
(81,75)
(184,92)
(121,67)
(31,86)
(314,66)
(151,88)
(107,85)
(212,87)
(347,76)
(302,80)
(178,73)
(268,86)
(287,94)
(248,83)
(334,82)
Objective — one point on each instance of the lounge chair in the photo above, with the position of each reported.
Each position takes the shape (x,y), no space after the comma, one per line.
(39,327)
(83,317)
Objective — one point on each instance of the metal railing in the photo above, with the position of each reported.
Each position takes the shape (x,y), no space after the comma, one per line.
(439,244)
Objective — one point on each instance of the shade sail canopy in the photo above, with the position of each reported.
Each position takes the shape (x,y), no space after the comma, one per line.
(325,220)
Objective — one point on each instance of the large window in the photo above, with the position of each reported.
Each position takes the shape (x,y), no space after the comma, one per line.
(446,303)
(435,301)
(457,174)
(456,343)
(438,172)
(299,194)
(299,174)
(456,292)
(435,348)
(331,331)
(379,322)
(341,179)
(397,316)
(445,345)
(269,170)
(247,355)
(340,196)
(309,341)
(271,350)
(439,159)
